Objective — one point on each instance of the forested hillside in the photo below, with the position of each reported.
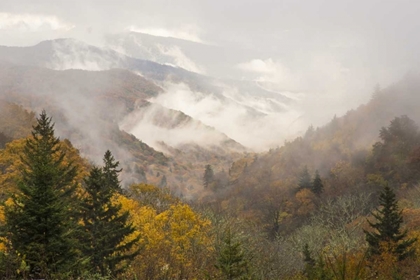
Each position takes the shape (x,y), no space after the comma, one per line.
(68,219)
(88,108)
(321,188)
(340,202)
(209,140)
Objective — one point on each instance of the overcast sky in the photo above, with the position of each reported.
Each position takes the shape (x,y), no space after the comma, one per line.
(251,23)
(346,46)
(386,30)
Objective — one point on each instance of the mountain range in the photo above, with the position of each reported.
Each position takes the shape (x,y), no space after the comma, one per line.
(242,105)
(164,122)
(97,96)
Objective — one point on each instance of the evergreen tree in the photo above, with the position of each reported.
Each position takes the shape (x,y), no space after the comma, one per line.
(309,132)
(231,261)
(104,226)
(110,172)
(305,179)
(392,155)
(40,223)
(317,186)
(314,270)
(163,182)
(387,229)
(208,177)
(307,258)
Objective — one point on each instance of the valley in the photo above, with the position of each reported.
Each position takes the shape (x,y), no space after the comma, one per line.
(159,153)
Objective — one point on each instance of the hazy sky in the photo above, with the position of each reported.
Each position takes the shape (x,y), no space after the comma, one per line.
(386,31)
(338,49)
(250,23)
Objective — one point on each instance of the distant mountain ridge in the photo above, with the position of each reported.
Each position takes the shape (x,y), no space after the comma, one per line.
(64,54)
(244,102)
(88,107)
(168,51)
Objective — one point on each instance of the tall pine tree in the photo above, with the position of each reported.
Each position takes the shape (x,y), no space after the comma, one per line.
(387,229)
(105,227)
(305,179)
(208,177)
(110,172)
(40,223)
(231,261)
(317,186)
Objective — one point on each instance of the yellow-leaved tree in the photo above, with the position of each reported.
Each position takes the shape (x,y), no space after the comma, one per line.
(175,242)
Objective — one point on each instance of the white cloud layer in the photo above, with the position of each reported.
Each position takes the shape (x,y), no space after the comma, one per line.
(327,54)
(272,72)
(72,54)
(189,33)
(156,124)
(32,23)
(325,81)
(230,115)
(180,58)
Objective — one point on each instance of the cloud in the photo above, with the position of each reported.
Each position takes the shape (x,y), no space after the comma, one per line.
(320,73)
(189,33)
(316,80)
(332,54)
(73,54)
(271,71)
(32,23)
(231,114)
(154,124)
(259,66)
(180,59)
(160,50)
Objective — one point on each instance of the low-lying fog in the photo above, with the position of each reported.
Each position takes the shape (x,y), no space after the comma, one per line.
(312,60)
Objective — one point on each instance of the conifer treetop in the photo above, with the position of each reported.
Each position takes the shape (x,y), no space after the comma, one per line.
(387,228)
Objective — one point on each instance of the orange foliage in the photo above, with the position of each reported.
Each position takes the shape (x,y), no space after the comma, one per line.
(411,218)
(385,266)
(305,199)
(348,265)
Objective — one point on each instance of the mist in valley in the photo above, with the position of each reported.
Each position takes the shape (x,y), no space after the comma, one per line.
(317,59)
(221,79)
(275,126)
